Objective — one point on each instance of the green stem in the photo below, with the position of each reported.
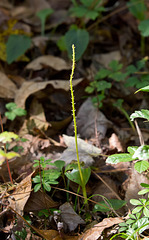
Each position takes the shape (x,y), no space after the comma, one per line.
(128,118)
(75,125)
(142,45)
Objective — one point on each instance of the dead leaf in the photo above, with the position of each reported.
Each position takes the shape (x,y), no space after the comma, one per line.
(86,151)
(54,235)
(89,117)
(105,58)
(95,232)
(29,88)
(38,201)
(134,186)
(114,143)
(56,63)
(7,87)
(70,217)
(21,194)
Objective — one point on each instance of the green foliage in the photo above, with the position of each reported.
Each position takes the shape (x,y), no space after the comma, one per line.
(21,235)
(144,113)
(47,177)
(109,204)
(16,46)
(78,37)
(74,175)
(8,137)
(14,111)
(137,8)
(144,28)
(43,14)
(88,8)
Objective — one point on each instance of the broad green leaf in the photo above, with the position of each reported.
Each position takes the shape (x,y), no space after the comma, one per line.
(88,3)
(80,39)
(92,14)
(79,11)
(74,175)
(142,153)
(144,113)
(122,157)
(135,202)
(141,166)
(132,149)
(16,46)
(144,28)
(59,164)
(113,203)
(131,69)
(14,111)
(89,89)
(117,76)
(145,89)
(47,186)
(137,8)
(7,136)
(144,191)
(145,185)
(131,81)
(10,106)
(52,174)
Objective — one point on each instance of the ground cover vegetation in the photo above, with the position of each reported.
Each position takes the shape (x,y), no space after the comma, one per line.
(74,141)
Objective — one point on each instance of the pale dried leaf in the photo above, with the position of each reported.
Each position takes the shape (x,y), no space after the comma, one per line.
(95,232)
(114,143)
(50,61)
(7,87)
(29,88)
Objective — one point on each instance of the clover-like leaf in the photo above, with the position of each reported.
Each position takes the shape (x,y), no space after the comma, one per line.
(8,136)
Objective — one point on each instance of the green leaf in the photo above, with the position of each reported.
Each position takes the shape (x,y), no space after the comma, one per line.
(135,202)
(116,158)
(79,11)
(144,28)
(74,175)
(115,66)
(145,89)
(113,203)
(118,103)
(61,43)
(144,191)
(137,9)
(102,85)
(80,39)
(47,186)
(141,166)
(132,149)
(144,113)
(7,136)
(37,187)
(89,89)
(11,155)
(142,153)
(117,76)
(102,73)
(52,174)
(146,212)
(137,209)
(145,185)
(59,164)
(37,179)
(43,14)
(131,81)
(16,46)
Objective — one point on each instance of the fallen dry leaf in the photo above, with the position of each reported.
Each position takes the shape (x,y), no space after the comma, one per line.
(21,194)
(29,88)
(7,87)
(54,235)
(50,61)
(89,118)
(69,217)
(86,151)
(114,143)
(95,232)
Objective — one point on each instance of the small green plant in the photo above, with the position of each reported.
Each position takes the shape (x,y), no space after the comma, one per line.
(47,177)
(90,9)
(14,111)
(43,14)
(138,10)
(139,219)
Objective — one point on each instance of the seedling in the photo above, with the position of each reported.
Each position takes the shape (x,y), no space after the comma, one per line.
(14,111)
(43,14)
(47,177)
